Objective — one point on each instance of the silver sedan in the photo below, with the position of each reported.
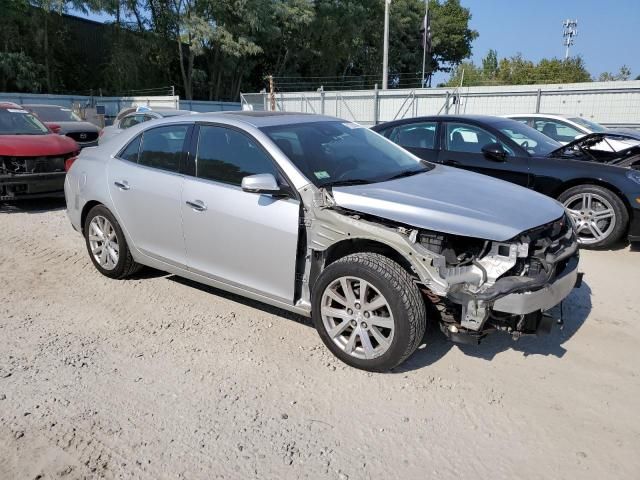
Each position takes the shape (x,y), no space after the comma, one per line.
(325,218)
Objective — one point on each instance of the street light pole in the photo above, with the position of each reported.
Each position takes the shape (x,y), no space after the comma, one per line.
(385,58)
(424,40)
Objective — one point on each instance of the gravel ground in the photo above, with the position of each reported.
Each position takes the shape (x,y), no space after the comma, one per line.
(157,377)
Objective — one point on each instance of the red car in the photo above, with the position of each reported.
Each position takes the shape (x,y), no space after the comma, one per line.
(33,159)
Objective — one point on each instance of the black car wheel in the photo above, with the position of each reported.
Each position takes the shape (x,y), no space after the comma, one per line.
(600,216)
(368,311)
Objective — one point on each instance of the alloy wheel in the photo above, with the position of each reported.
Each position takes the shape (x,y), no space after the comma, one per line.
(103,242)
(357,317)
(593,215)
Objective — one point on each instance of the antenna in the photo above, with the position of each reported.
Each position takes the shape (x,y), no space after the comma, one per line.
(569,31)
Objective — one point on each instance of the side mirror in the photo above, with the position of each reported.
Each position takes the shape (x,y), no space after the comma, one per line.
(494,151)
(54,127)
(261,183)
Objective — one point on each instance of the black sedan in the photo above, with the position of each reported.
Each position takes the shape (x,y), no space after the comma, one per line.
(603,197)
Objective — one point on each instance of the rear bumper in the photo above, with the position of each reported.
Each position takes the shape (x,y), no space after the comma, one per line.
(33,185)
(544,299)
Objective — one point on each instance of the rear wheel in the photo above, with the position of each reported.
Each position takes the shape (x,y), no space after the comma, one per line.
(368,311)
(106,244)
(600,216)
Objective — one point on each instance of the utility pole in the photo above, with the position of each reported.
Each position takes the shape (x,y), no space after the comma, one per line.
(426,40)
(569,31)
(272,94)
(385,58)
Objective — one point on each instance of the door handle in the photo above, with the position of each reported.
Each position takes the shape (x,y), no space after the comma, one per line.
(197,205)
(452,163)
(123,185)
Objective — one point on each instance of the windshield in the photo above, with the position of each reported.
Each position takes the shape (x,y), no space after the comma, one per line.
(593,126)
(342,153)
(20,122)
(55,114)
(528,138)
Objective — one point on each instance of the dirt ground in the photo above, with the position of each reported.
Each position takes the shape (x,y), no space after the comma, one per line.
(157,377)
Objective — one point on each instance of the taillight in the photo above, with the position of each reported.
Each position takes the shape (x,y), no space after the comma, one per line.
(68,162)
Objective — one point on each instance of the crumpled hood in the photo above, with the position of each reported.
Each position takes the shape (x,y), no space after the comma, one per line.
(454,201)
(36,145)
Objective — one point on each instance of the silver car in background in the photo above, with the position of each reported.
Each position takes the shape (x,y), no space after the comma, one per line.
(134,117)
(328,219)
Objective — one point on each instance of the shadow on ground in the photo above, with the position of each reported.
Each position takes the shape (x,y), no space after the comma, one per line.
(575,310)
(243,300)
(39,205)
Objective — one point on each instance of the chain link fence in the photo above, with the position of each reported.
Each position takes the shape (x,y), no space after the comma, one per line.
(610,103)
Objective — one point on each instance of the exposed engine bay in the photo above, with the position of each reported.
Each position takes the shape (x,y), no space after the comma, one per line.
(27,165)
(476,286)
(598,147)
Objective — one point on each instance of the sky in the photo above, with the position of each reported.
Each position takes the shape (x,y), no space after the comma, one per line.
(607,30)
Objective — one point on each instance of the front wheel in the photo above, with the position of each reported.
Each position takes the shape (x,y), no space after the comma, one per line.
(600,216)
(368,311)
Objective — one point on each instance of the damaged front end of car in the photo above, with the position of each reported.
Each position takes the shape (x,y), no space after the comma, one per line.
(510,285)
(474,286)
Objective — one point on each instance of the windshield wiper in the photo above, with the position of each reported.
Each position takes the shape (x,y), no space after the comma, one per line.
(346,183)
(405,173)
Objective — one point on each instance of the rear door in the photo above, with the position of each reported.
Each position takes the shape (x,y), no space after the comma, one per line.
(244,239)
(462,148)
(146,189)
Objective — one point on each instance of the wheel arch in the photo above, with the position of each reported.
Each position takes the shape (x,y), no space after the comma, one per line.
(85,211)
(576,182)
(345,247)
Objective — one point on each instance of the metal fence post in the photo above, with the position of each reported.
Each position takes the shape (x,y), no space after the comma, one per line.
(322,100)
(446,104)
(538,100)
(376,106)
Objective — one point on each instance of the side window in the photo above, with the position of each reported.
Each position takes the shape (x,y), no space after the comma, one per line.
(130,152)
(415,135)
(130,121)
(557,130)
(162,147)
(225,155)
(469,138)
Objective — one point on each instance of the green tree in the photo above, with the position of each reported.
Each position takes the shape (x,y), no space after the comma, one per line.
(490,65)
(517,70)
(623,74)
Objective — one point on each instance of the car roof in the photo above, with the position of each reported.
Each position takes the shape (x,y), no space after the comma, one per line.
(6,105)
(265,119)
(540,115)
(40,105)
(483,119)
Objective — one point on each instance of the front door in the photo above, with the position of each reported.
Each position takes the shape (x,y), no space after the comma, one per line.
(462,148)
(146,188)
(248,240)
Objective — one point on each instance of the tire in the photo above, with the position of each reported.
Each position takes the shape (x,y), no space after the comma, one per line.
(125,265)
(399,324)
(596,210)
